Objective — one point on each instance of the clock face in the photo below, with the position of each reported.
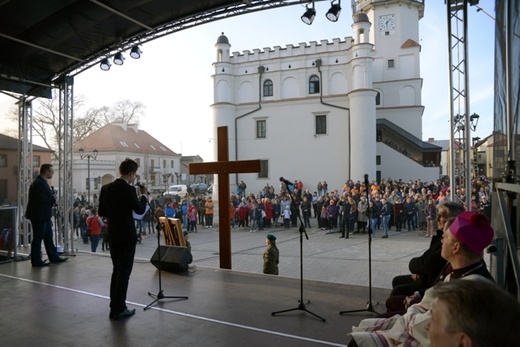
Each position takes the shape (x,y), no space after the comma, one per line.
(386,22)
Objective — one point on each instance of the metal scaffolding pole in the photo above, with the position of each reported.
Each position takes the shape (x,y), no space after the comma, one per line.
(460,135)
(25,166)
(65,225)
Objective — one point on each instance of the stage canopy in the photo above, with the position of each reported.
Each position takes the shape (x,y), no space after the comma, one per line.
(43,41)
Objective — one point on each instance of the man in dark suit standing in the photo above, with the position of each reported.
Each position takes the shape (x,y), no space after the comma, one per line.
(117,201)
(39,212)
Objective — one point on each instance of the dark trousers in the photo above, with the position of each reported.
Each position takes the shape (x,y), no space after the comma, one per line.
(42,231)
(403,285)
(122,254)
(94,241)
(209,220)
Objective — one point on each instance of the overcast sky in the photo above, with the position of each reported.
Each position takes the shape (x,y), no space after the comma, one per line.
(173,77)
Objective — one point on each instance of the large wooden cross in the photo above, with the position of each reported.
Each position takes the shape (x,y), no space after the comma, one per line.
(223,167)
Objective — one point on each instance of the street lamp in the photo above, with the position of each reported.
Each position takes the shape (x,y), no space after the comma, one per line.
(88,156)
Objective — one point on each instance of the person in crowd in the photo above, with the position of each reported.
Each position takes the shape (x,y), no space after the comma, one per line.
(463,245)
(306,212)
(362,217)
(372,217)
(409,211)
(39,211)
(117,201)
(431,215)
(95,224)
(82,223)
(399,217)
(473,313)
(352,218)
(332,216)
(271,256)
(286,214)
(242,189)
(387,210)
(209,212)
(485,206)
(192,216)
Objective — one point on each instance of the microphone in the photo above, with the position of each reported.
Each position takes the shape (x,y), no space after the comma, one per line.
(287,182)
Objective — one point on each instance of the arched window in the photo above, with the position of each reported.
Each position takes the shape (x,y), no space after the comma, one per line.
(314,84)
(378,98)
(268,88)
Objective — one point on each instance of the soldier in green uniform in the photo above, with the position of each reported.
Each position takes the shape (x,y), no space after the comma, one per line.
(271,255)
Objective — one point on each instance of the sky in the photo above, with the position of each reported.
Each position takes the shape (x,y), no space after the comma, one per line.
(173,76)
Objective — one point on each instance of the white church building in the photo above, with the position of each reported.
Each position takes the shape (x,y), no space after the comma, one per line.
(329,110)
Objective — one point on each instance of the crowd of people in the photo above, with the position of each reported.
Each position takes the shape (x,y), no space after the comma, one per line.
(392,204)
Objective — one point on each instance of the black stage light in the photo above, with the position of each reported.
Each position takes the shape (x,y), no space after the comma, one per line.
(105,64)
(119,59)
(308,16)
(136,52)
(334,11)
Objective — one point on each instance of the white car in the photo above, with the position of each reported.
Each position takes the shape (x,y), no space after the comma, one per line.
(177,189)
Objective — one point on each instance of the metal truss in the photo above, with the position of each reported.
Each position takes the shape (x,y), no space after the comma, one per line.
(64,228)
(25,169)
(460,134)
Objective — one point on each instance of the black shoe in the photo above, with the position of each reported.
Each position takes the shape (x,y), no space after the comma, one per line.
(42,264)
(384,236)
(122,315)
(59,260)
(342,237)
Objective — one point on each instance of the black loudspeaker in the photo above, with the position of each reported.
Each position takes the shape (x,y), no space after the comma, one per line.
(173,258)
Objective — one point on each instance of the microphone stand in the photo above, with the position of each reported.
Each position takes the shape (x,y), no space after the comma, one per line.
(302,305)
(370,307)
(160,295)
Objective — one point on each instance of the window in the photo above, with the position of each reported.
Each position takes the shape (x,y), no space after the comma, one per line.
(171,164)
(261,129)
(268,88)
(36,161)
(3,160)
(321,125)
(391,63)
(378,160)
(378,98)
(264,169)
(164,163)
(314,85)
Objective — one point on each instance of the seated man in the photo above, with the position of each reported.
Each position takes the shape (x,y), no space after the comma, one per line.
(426,267)
(463,244)
(469,313)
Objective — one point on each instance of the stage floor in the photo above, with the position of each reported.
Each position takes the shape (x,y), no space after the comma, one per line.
(67,305)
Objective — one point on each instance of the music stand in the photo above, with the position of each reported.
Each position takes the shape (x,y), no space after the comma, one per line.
(370,307)
(160,294)
(301,306)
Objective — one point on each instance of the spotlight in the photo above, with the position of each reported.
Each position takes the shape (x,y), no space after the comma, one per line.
(136,52)
(119,59)
(308,16)
(334,11)
(105,64)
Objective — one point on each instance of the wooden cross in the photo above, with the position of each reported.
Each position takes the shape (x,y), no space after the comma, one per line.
(223,167)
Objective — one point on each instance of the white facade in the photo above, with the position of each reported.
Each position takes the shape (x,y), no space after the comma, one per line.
(284,129)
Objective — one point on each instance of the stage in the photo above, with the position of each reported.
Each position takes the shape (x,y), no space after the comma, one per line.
(67,305)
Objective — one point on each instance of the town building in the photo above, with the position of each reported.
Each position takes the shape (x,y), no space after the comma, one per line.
(330,110)
(10,170)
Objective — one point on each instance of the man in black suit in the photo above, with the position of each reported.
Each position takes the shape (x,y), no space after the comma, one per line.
(39,212)
(117,201)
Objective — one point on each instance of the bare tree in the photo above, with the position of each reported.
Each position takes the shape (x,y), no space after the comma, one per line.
(46,118)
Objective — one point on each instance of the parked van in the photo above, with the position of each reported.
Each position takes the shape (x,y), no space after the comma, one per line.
(177,189)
